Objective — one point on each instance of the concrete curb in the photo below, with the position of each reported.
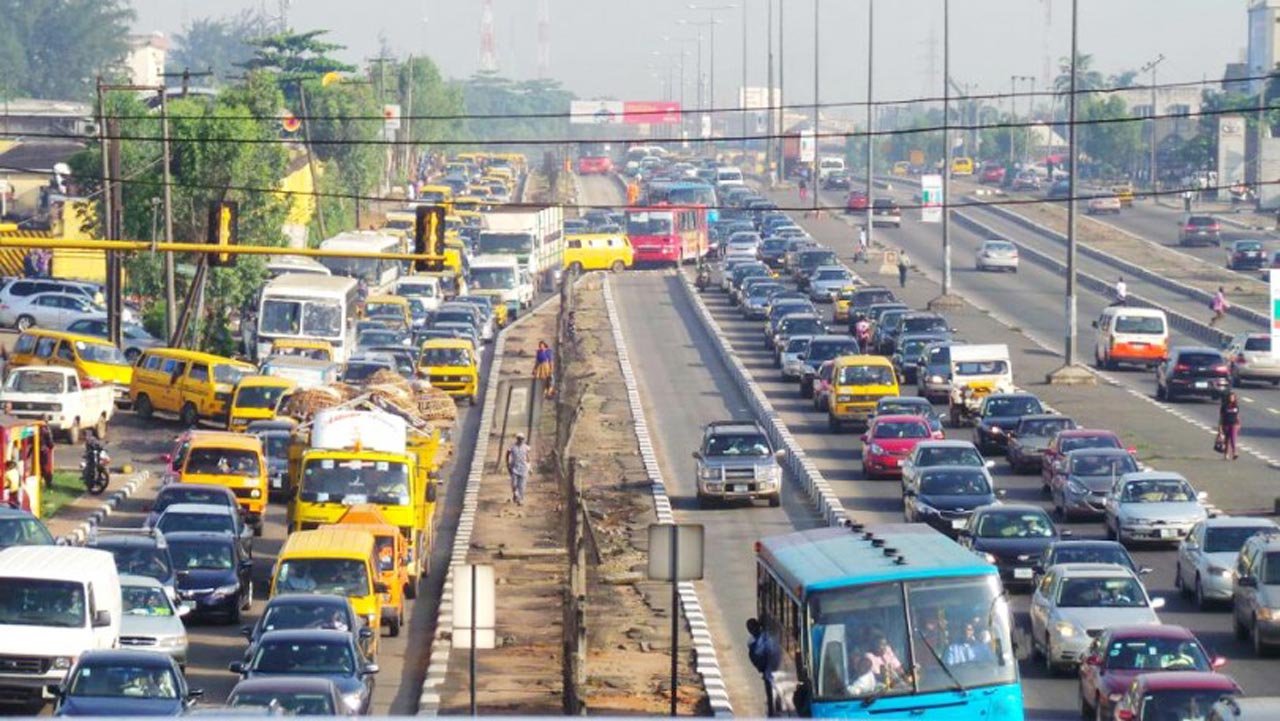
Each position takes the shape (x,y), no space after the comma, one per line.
(705,659)
(81,533)
(804,471)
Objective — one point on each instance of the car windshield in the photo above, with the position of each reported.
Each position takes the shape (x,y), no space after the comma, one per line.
(145,601)
(1272,566)
(901,429)
(1017,406)
(1258,343)
(214,522)
(907,406)
(1101,591)
(1092,553)
(370,338)
(281,316)
(1199,359)
(737,444)
(304,657)
(1183,705)
(949,456)
(292,703)
(201,555)
(910,349)
(94,353)
(330,480)
(291,617)
(801,326)
(1045,427)
(826,350)
(762,290)
(339,576)
(230,374)
(1076,443)
(357,372)
(1109,464)
(441,357)
(121,680)
(924,325)
(260,396)
(222,462)
(1165,490)
(392,311)
(40,602)
(865,376)
(1156,654)
(492,278)
(214,497)
(23,532)
(1014,524)
(1140,324)
(139,560)
(1229,539)
(492,243)
(831,275)
(797,345)
(998,247)
(867,298)
(35,381)
(985,368)
(954,483)
(862,646)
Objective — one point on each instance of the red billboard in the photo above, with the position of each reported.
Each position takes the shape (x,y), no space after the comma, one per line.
(658,112)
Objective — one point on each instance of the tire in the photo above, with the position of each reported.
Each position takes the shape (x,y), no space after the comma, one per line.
(393,627)
(806,389)
(617,266)
(24,322)
(471,399)
(1242,631)
(1161,394)
(73,432)
(1260,649)
(1049,668)
(1111,535)
(233,617)
(257,530)
(142,407)
(1177,581)
(188,416)
(833,425)
(775,500)
(1202,603)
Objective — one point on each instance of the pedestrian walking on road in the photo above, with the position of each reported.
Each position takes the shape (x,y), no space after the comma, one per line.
(1219,306)
(544,368)
(904,263)
(804,190)
(862,244)
(1229,426)
(518,468)
(1122,292)
(766,656)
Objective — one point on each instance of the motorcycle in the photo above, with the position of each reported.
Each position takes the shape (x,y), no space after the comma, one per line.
(704,278)
(95,465)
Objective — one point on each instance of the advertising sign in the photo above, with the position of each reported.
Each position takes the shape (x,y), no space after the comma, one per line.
(643,112)
(1275,313)
(931,199)
(808,146)
(595,112)
(390,117)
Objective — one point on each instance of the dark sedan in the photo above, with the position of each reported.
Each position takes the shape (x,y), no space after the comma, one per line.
(944,496)
(321,654)
(1082,478)
(1087,552)
(1201,372)
(1028,440)
(293,611)
(1012,537)
(124,684)
(999,413)
(302,696)
(213,574)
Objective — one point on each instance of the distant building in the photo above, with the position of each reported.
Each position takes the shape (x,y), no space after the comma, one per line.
(145,59)
(1264,40)
(1233,78)
(26,116)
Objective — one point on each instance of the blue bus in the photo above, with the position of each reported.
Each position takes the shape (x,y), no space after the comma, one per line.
(884,622)
(684,192)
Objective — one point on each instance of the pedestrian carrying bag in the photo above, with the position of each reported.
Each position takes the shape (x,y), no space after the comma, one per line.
(1220,442)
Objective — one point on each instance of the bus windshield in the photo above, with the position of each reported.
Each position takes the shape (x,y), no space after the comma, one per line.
(334,480)
(500,243)
(958,638)
(280,316)
(493,278)
(366,268)
(648,223)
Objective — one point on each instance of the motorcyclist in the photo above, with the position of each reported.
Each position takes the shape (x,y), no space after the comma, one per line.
(862,331)
(704,276)
(95,459)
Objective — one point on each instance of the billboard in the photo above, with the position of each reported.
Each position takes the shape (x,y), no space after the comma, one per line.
(808,146)
(930,198)
(644,112)
(1275,313)
(595,112)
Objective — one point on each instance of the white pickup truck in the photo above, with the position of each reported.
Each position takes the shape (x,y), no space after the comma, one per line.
(54,395)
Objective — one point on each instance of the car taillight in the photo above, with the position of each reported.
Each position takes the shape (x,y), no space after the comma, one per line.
(1241,359)
(1220,369)
(1182,368)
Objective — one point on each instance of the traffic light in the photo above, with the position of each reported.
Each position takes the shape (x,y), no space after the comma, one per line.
(222,231)
(428,238)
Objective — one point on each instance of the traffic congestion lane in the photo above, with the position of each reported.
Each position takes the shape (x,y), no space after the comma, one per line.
(683,386)
(1162,439)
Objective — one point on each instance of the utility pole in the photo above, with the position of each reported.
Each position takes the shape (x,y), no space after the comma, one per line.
(871,14)
(186,76)
(813,174)
(311,158)
(1070,373)
(782,92)
(743,95)
(170,292)
(1013,113)
(1153,178)
(770,168)
(946,299)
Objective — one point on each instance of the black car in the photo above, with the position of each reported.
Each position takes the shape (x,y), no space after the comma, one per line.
(202,493)
(139,552)
(1013,537)
(294,696)
(836,180)
(1192,371)
(864,298)
(293,611)
(909,349)
(275,436)
(772,251)
(808,261)
(945,496)
(1027,441)
(821,349)
(214,575)
(882,337)
(999,413)
(124,684)
(1088,552)
(910,406)
(317,653)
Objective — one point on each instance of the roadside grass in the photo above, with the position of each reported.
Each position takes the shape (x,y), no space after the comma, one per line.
(66,487)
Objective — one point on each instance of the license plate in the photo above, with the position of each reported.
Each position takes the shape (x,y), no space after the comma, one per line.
(738,489)
(1168,533)
(958,524)
(1202,384)
(1022,573)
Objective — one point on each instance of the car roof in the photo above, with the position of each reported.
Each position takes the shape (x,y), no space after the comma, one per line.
(1086,432)
(1152,476)
(1239,522)
(1042,417)
(1151,630)
(952,467)
(7,512)
(1014,507)
(735,427)
(1187,680)
(898,418)
(201,537)
(1196,349)
(1087,543)
(129,579)
(308,599)
(176,488)
(908,400)
(946,443)
(1094,451)
(285,683)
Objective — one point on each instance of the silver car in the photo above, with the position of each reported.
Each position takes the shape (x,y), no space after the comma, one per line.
(792,357)
(997,255)
(149,619)
(940,453)
(1207,556)
(826,281)
(736,461)
(1153,506)
(54,311)
(1074,602)
(1249,358)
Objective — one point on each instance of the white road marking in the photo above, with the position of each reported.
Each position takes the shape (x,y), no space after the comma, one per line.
(1246,399)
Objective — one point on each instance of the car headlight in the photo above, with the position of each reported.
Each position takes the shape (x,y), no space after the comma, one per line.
(62,663)
(844,398)
(227,590)
(1115,697)
(353,700)
(935,379)
(989,558)
(1065,629)
(925,509)
(875,449)
(708,473)
(255,493)
(1218,571)
(171,642)
(995,430)
(1268,614)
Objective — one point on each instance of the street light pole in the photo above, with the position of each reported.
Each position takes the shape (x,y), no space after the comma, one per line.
(871,14)
(1152,168)
(768,103)
(782,92)
(742,96)
(813,174)
(946,153)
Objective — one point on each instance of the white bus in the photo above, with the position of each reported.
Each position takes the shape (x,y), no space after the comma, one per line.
(379,274)
(309,307)
(278,265)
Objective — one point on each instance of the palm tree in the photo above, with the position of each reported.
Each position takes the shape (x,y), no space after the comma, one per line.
(1086,77)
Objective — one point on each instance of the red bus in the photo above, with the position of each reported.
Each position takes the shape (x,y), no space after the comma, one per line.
(668,233)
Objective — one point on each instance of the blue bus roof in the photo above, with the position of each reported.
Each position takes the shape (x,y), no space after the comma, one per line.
(825,558)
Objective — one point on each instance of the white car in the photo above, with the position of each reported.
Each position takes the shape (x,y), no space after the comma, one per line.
(996,255)
(54,311)
(1153,506)
(1074,602)
(1207,556)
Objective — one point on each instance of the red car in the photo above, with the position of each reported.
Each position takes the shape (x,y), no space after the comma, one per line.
(598,165)
(888,441)
(991,175)
(856,201)
(1071,440)
(1174,694)
(1122,652)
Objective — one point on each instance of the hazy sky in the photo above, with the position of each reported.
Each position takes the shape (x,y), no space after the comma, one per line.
(606,47)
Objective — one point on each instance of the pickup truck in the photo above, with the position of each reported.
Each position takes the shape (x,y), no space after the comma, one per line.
(55,395)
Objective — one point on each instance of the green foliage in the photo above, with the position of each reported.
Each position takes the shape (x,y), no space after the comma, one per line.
(420,79)
(295,55)
(221,44)
(345,117)
(56,48)
(489,94)
(1112,147)
(1086,77)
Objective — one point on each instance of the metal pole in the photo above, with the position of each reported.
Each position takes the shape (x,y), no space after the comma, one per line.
(675,614)
(946,151)
(1154,185)
(711,81)
(472,658)
(106,171)
(1013,113)
(771,122)
(311,160)
(871,14)
(813,173)
(1069,348)
(170,289)
(782,93)
(743,98)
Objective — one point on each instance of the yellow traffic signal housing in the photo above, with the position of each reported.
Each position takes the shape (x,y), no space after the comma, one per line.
(224,216)
(428,238)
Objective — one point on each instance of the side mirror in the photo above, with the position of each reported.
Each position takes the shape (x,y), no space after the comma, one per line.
(246,564)
(236,667)
(863,438)
(101,619)
(369,669)
(780,455)
(166,458)
(432,493)
(909,493)
(1219,661)
(381,587)
(365,633)
(1001,492)
(1247,582)
(1157,602)
(194,693)
(1094,660)
(185,609)
(1202,495)
(246,631)
(1066,533)
(1133,450)
(989,464)
(1038,568)
(1144,570)
(56,690)
(697,455)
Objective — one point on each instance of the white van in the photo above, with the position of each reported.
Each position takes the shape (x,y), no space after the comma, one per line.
(977,371)
(425,288)
(728,177)
(55,603)
(1137,336)
(828,165)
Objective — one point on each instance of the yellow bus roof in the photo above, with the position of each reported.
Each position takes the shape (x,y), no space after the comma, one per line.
(45,333)
(225,439)
(863,360)
(390,299)
(195,355)
(328,541)
(448,343)
(265,382)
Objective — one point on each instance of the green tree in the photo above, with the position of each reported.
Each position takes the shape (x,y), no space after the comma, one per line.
(221,44)
(1086,77)
(295,55)
(491,94)
(345,125)
(1111,147)
(56,48)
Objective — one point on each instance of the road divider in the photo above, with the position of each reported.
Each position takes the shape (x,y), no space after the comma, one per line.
(81,533)
(706,661)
